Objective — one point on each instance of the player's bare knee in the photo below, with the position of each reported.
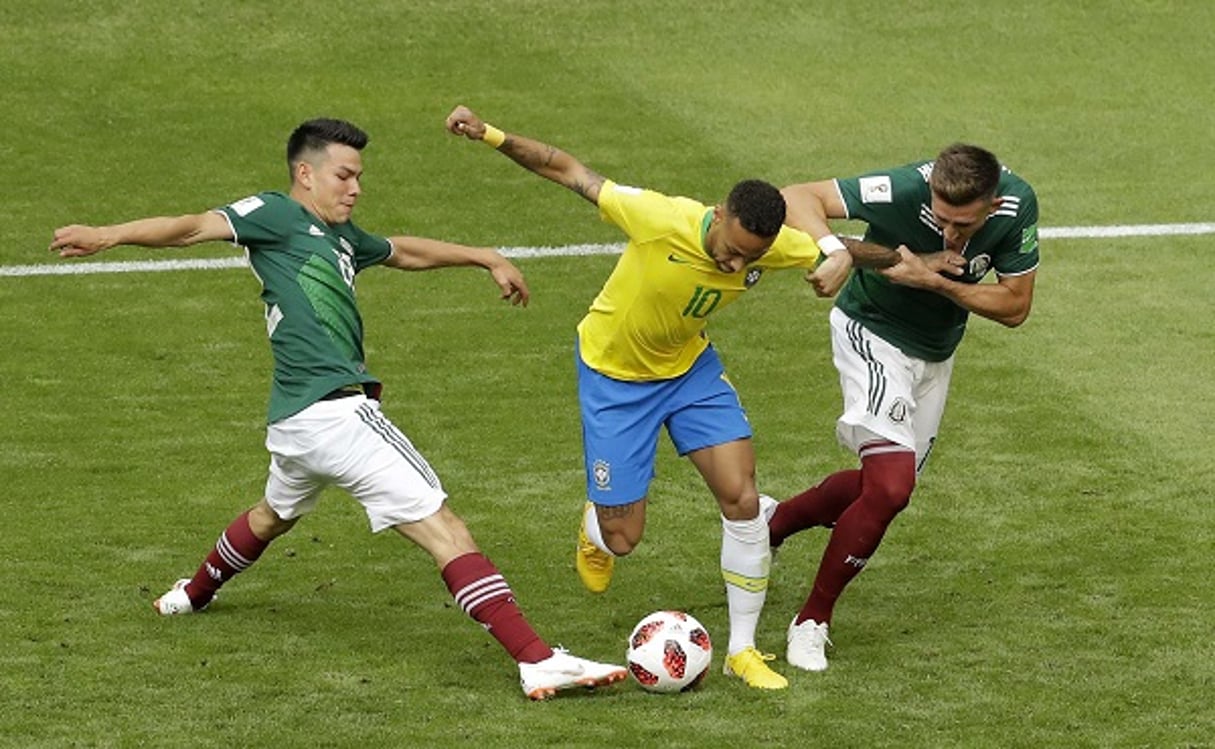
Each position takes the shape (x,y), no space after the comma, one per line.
(621,543)
(265,523)
(458,533)
(741,506)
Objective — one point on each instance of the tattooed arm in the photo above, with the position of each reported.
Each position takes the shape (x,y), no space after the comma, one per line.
(547,161)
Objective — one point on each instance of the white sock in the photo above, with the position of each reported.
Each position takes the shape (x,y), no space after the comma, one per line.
(593,531)
(745,559)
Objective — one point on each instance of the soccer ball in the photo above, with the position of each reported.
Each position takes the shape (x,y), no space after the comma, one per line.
(669,651)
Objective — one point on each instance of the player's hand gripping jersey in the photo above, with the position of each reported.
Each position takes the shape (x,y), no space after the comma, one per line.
(896,203)
(647,323)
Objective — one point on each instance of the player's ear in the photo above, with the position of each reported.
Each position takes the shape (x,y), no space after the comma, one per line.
(303,173)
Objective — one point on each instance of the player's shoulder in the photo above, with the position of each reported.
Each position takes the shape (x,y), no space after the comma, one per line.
(268,201)
(1012,183)
(1017,197)
(643,195)
(647,210)
(905,184)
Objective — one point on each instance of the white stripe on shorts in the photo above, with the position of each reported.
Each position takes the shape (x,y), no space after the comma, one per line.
(393,436)
(877,374)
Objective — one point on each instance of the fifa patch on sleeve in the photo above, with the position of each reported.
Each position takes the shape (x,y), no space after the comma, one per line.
(876,189)
(1029,239)
(247,205)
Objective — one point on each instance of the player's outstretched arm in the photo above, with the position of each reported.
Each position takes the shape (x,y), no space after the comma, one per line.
(810,204)
(420,253)
(547,161)
(161,231)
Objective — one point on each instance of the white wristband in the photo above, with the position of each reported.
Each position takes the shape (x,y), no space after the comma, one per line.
(830,244)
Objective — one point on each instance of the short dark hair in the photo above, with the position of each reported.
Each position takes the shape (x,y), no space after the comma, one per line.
(316,135)
(963,174)
(759,206)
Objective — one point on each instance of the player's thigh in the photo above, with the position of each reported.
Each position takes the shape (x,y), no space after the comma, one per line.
(350,444)
(877,381)
(442,534)
(380,467)
(620,425)
(704,408)
(729,472)
(932,393)
(293,485)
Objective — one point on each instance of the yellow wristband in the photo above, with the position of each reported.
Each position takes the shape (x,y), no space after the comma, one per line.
(493,136)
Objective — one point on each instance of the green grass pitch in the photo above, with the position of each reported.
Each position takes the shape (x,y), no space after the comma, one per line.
(1049,585)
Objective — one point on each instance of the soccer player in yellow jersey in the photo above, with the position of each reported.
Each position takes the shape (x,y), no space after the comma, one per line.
(644,362)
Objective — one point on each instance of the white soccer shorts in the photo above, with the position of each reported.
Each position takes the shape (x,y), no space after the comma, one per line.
(348,443)
(888,395)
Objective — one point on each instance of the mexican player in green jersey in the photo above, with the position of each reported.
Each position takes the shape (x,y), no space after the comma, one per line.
(325,424)
(956,219)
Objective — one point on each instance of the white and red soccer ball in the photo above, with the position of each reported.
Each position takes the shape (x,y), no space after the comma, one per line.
(669,651)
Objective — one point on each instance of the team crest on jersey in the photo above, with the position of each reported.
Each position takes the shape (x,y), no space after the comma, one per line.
(602,473)
(752,277)
(898,411)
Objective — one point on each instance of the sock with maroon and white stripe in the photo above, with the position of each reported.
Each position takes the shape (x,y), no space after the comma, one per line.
(485,596)
(236,549)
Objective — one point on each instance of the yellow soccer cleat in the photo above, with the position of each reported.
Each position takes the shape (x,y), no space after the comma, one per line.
(594,565)
(751,666)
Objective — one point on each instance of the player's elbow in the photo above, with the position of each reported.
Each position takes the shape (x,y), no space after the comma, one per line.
(1015,319)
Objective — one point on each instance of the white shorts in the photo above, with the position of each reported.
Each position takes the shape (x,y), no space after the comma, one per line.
(348,443)
(888,395)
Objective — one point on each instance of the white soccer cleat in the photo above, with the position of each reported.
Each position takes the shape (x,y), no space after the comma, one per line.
(175,601)
(808,643)
(564,671)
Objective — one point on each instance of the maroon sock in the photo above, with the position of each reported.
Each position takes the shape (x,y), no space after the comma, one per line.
(887,479)
(819,505)
(485,596)
(236,549)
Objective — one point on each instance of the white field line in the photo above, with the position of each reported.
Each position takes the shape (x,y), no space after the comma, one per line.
(67,268)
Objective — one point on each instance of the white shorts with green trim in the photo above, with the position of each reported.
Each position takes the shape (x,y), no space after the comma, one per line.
(348,443)
(888,395)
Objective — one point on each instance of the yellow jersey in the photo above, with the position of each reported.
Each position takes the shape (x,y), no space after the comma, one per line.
(647,323)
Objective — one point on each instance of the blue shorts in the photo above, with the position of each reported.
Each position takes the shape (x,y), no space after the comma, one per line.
(621,422)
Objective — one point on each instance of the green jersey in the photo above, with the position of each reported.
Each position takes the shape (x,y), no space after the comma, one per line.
(306,268)
(896,203)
